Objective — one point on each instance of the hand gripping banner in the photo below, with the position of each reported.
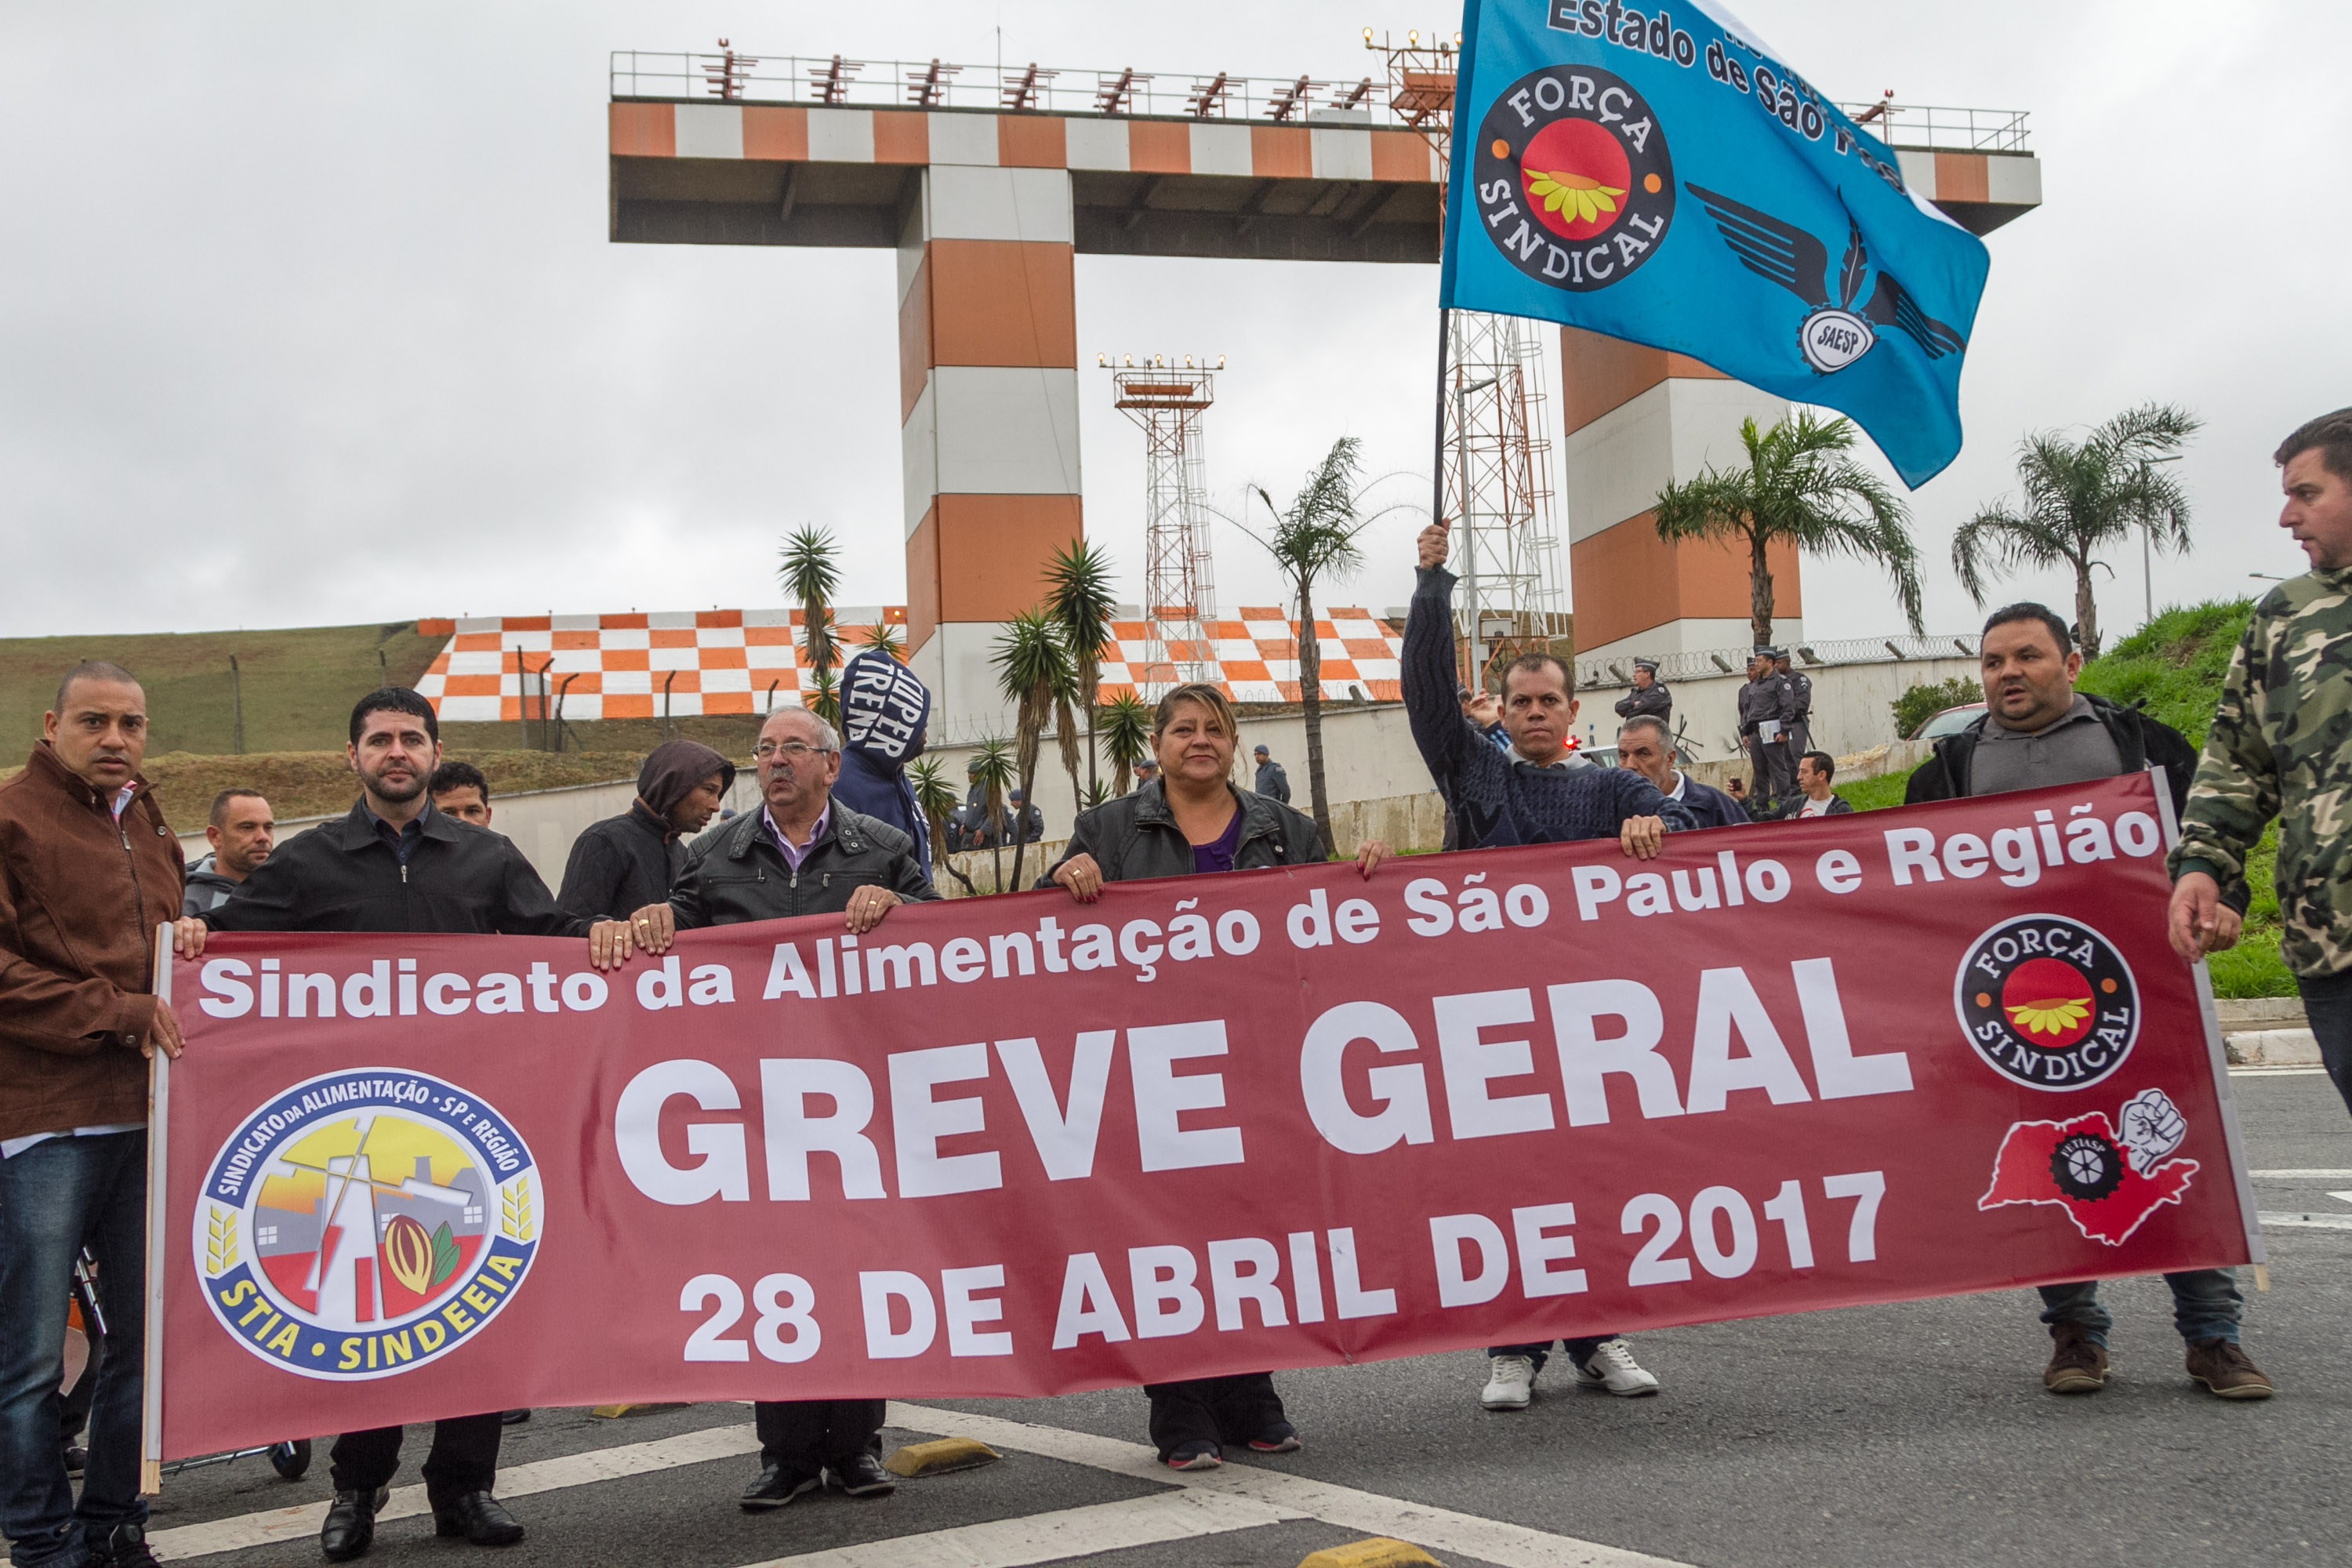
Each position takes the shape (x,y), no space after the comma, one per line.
(1213,1124)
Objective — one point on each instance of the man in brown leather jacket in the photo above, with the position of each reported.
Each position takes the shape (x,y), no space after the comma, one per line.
(88,872)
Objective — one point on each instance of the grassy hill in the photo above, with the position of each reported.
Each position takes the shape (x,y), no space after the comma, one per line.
(298,686)
(2172,669)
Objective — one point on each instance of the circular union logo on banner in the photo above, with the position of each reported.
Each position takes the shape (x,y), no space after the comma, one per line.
(365,1223)
(2047,1001)
(1574,182)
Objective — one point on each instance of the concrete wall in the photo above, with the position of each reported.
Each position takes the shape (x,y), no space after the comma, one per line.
(1372,774)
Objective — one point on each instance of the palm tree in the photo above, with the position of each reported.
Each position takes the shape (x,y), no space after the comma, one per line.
(935,798)
(1314,538)
(1077,596)
(1126,735)
(825,696)
(991,769)
(1033,671)
(1799,488)
(810,572)
(884,635)
(2082,498)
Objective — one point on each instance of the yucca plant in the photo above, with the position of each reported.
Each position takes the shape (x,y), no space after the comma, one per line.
(991,769)
(935,798)
(884,635)
(809,570)
(825,696)
(1078,598)
(1125,736)
(1033,671)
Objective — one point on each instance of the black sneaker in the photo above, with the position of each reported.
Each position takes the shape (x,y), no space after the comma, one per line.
(861,1475)
(1281,1437)
(1197,1456)
(774,1489)
(125,1546)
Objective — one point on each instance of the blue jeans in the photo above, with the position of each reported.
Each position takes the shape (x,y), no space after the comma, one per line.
(2205,1305)
(1579,1351)
(2328,1002)
(56,1198)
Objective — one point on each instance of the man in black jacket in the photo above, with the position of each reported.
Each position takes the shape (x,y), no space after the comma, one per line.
(2038,732)
(1644,747)
(802,853)
(625,862)
(1649,696)
(395,863)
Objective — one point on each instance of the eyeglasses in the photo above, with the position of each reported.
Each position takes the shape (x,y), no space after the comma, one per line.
(790,750)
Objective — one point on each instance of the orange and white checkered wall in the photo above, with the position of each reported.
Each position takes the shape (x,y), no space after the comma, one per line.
(748,661)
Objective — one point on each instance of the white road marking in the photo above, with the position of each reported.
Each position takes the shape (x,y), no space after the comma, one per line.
(2300,1175)
(281,1524)
(2275,1072)
(1437,1529)
(1196,1503)
(1180,1514)
(2309,1221)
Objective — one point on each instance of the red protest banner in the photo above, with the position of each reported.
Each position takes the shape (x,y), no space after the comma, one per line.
(1021,1145)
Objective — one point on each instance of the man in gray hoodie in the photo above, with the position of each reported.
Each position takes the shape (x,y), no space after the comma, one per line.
(242,833)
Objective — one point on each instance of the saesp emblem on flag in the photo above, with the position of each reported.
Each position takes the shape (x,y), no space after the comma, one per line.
(365,1222)
(1574,182)
(2047,1001)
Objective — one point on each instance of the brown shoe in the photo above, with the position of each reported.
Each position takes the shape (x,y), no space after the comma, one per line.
(2078,1365)
(2224,1366)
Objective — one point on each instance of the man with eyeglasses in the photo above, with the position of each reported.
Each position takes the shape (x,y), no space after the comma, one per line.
(802,853)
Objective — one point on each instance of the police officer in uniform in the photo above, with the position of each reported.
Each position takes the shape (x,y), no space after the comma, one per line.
(1648,696)
(1800,686)
(1766,705)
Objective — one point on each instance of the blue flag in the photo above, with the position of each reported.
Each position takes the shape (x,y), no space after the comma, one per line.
(1660,177)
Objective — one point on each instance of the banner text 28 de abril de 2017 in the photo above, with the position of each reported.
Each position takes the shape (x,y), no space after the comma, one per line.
(1021,1145)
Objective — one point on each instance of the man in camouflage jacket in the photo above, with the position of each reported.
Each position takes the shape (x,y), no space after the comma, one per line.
(2280,746)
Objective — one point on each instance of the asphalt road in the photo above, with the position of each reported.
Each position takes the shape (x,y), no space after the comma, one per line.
(1915,1434)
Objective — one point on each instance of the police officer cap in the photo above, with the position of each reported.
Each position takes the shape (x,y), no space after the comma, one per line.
(1649,664)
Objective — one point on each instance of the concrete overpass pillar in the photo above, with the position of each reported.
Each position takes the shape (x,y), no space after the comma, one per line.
(988,398)
(1636,419)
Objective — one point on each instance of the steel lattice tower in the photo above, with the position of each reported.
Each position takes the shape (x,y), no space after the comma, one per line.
(1496,467)
(1180,590)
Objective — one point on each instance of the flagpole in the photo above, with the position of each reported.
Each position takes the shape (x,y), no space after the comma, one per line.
(1437,461)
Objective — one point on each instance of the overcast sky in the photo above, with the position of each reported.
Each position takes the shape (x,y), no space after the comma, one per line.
(309,315)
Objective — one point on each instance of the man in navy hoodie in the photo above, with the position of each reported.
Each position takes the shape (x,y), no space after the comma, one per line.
(885,710)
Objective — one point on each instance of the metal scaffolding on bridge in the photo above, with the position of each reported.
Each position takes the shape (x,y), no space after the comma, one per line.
(1497,465)
(1180,593)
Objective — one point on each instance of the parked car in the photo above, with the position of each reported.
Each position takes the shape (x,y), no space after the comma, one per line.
(1950,721)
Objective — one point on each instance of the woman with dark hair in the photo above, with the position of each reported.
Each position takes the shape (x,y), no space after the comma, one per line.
(1192,819)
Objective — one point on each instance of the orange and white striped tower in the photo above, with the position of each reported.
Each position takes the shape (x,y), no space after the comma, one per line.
(988,392)
(1636,419)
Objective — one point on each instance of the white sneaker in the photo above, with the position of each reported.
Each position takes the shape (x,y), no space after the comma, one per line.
(1612,1367)
(1510,1383)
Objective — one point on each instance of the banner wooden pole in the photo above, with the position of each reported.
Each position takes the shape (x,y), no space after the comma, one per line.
(2218,1055)
(1437,450)
(159,1111)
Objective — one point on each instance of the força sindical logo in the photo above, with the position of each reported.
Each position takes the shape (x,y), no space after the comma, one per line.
(365,1223)
(2047,1001)
(1574,182)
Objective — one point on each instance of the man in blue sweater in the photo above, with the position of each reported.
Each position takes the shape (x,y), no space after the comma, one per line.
(1528,794)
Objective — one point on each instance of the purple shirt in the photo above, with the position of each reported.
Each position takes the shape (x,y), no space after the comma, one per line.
(1219,856)
(795,856)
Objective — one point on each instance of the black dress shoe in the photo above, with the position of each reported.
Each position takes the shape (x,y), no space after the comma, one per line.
(479,1517)
(774,1489)
(349,1528)
(861,1475)
(514,1417)
(76,1458)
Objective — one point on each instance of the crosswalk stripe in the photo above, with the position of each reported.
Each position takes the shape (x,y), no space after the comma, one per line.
(1180,1514)
(2299,1176)
(1440,1530)
(280,1524)
(2309,1221)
